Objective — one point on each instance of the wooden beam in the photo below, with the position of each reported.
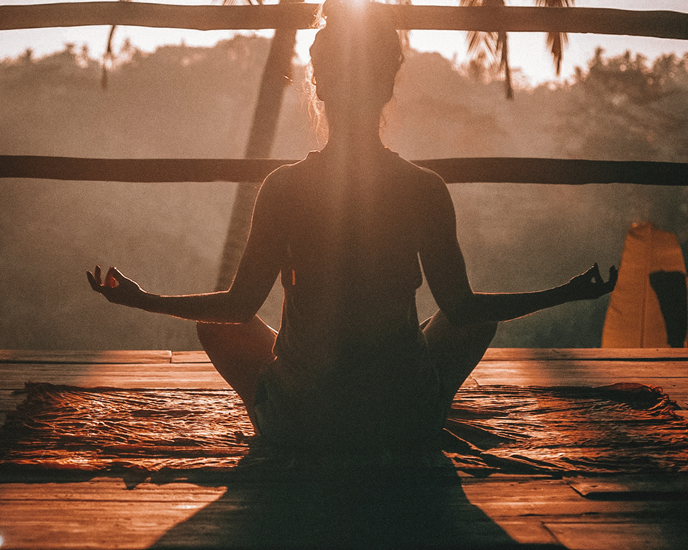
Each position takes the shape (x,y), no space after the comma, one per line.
(660,24)
(455,170)
(137,170)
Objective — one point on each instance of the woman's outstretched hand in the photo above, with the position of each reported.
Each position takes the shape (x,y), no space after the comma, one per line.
(590,285)
(117,288)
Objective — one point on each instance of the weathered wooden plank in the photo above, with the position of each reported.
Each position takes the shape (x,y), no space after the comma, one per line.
(211,382)
(202,377)
(453,170)
(109,368)
(90,525)
(584,354)
(104,514)
(529,354)
(636,535)
(495,498)
(76,356)
(578,373)
(638,487)
(527,532)
(661,24)
(190,357)
(592,367)
(606,510)
(492,354)
(109,490)
(669,367)
(33,370)
(481,491)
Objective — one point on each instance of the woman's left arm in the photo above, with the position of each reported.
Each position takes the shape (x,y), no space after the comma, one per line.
(258,269)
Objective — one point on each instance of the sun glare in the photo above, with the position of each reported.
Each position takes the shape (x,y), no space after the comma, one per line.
(358,4)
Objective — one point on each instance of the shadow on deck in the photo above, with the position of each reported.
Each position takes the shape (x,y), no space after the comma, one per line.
(377,510)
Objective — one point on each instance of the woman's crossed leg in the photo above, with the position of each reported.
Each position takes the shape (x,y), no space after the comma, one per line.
(240,352)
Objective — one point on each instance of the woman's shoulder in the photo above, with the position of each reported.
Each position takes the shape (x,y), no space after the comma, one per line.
(424,179)
(288,176)
(295,169)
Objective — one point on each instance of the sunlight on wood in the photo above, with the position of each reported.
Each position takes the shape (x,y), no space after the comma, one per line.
(42,523)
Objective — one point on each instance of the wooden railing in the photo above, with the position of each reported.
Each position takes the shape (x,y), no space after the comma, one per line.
(453,170)
(659,24)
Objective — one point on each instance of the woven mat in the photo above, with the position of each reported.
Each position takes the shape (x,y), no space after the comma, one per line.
(625,428)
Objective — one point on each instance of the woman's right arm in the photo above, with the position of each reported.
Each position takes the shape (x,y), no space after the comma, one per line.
(218,307)
(257,272)
(445,271)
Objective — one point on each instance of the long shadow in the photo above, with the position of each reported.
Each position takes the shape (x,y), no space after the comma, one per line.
(362,509)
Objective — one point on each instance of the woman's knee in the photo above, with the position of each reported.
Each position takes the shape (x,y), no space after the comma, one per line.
(438,330)
(241,341)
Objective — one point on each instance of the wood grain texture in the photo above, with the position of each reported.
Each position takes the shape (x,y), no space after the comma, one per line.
(190,357)
(585,354)
(620,535)
(626,512)
(633,487)
(660,24)
(453,170)
(76,356)
(487,514)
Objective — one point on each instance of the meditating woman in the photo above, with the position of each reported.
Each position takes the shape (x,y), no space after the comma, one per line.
(348,229)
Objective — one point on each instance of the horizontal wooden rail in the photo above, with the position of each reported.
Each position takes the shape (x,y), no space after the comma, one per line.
(455,170)
(660,24)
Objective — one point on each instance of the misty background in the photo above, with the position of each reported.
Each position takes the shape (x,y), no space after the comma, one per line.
(192,102)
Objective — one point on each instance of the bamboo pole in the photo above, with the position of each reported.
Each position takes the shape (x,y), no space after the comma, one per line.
(659,24)
(453,170)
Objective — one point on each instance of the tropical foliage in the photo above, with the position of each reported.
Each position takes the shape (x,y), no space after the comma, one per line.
(494,46)
(197,102)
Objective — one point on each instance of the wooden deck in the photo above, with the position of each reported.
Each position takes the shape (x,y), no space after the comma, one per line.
(625,512)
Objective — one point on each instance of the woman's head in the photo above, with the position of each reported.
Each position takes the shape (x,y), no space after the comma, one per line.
(355,58)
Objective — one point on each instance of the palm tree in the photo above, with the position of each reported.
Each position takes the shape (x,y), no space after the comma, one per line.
(495,45)
(108,56)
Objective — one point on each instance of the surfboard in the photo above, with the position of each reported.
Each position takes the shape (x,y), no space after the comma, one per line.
(634,319)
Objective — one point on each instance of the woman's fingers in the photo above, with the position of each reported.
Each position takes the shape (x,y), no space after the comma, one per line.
(591,285)
(595,272)
(117,274)
(92,281)
(608,286)
(112,278)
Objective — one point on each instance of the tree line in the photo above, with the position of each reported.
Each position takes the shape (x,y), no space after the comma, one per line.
(183,101)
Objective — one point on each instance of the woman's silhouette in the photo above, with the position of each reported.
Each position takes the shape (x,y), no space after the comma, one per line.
(348,229)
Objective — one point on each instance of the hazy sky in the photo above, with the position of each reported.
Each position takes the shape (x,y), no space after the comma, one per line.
(527,50)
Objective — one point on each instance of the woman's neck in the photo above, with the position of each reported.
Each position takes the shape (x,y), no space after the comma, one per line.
(354,142)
